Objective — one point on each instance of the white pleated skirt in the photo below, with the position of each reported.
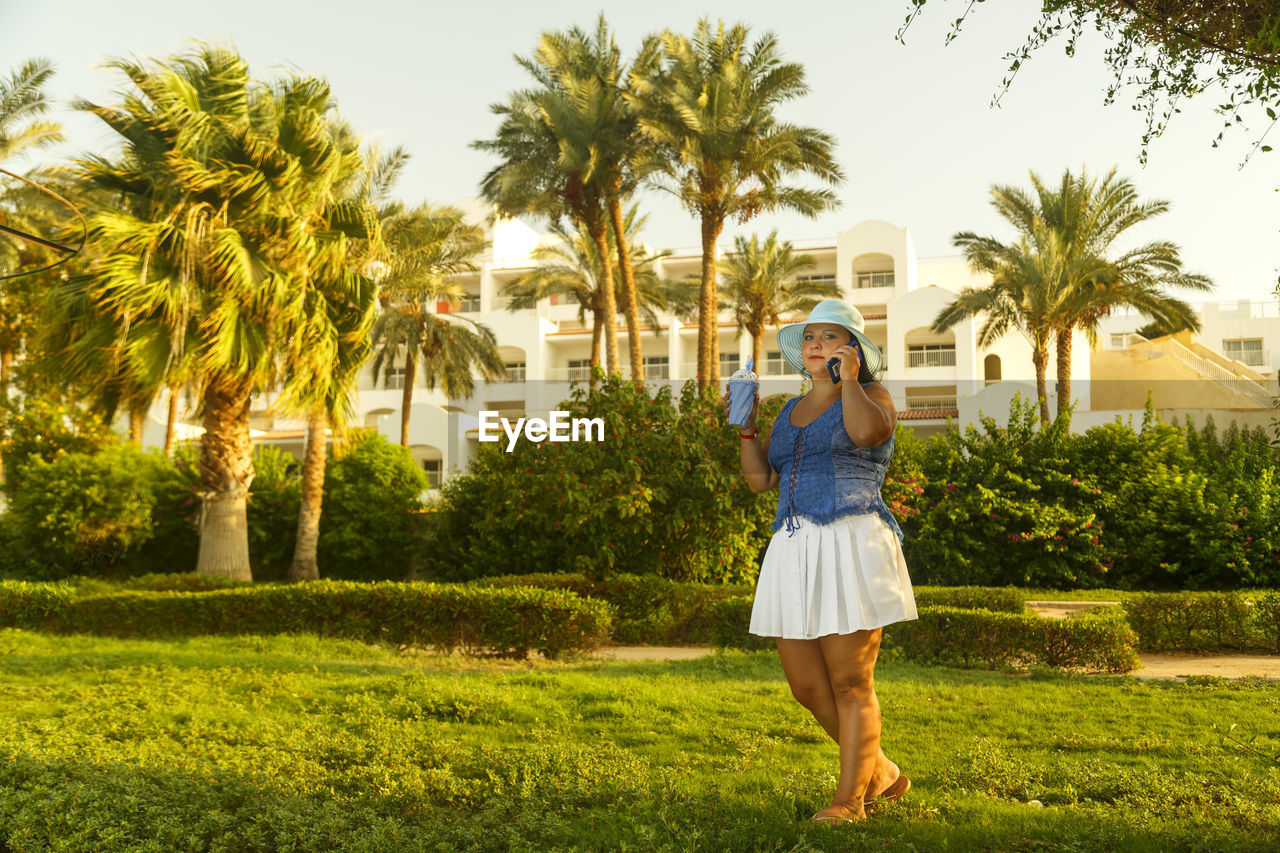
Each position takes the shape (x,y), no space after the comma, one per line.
(834,578)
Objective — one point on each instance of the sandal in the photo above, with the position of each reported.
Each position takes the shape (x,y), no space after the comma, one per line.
(832,819)
(894,792)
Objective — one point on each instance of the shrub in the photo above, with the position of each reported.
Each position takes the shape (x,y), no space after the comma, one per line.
(656,611)
(1165,507)
(1206,621)
(39,427)
(662,494)
(272,512)
(1006,599)
(1000,506)
(953,636)
(84,513)
(649,610)
(368,526)
(25,605)
(1267,619)
(506,621)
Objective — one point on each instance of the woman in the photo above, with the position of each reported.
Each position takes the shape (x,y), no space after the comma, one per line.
(834,573)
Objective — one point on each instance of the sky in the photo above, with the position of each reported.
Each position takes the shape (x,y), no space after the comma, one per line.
(917,137)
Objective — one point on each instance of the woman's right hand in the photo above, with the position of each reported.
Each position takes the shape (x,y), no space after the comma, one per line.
(755,409)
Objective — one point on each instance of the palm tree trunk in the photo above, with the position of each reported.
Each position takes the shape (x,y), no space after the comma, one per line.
(171,422)
(304,567)
(1064,370)
(757,344)
(597,333)
(629,298)
(406,396)
(1040,358)
(708,312)
(596,228)
(6,366)
(137,423)
(226,470)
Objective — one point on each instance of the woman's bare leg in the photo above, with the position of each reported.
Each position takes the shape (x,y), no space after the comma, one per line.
(851,663)
(807,674)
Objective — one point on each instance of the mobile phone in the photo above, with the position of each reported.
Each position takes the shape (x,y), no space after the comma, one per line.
(833,367)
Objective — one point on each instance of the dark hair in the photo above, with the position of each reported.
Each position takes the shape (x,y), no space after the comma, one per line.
(864,375)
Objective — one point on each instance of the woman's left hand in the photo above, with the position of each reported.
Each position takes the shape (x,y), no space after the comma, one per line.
(850,362)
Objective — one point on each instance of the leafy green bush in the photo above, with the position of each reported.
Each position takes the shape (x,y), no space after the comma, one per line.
(272,512)
(649,610)
(24,604)
(37,426)
(1205,621)
(1001,506)
(369,525)
(506,621)
(656,611)
(954,636)
(1164,507)
(84,513)
(662,494)
(1004,599)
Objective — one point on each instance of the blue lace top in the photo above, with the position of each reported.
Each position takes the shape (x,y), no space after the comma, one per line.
(823,475)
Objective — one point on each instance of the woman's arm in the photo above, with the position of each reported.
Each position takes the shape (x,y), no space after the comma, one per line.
(759,474)
(869,415)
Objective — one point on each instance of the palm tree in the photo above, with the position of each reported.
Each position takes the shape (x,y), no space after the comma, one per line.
(570,266)
(211,256)
(1025,293)
(329,344)
(760,285)
(1085,218)
(423,249)
(562,147)
(22,102)
(707,106)
(449,352)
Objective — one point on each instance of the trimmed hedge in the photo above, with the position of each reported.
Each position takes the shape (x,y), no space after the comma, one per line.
(505,621)
(1206,621)
(954,636)
(650,609)
(25,604)
(1001,599)
(655,611)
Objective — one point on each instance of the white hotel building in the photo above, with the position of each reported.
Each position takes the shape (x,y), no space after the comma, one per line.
(931,376)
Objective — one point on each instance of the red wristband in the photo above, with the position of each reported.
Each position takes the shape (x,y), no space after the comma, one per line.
(749,436)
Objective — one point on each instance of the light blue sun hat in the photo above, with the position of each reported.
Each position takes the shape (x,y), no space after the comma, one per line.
(839,312)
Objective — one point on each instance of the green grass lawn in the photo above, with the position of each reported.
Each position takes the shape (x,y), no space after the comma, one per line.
(295,743)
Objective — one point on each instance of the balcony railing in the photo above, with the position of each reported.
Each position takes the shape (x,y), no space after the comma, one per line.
(931,358)
(918,403)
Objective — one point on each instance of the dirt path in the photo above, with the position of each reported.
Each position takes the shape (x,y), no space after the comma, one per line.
(1154,666)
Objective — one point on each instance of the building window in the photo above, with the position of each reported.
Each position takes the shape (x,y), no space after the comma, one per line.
(776,365)
(729,362)
(991,369)
(515,371)
(432,467)
(931,355)
(873,279)
(579,368)
(393,378)
(1119,340)
(1246,351)
(470,302)
(822,278)
(657,367)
